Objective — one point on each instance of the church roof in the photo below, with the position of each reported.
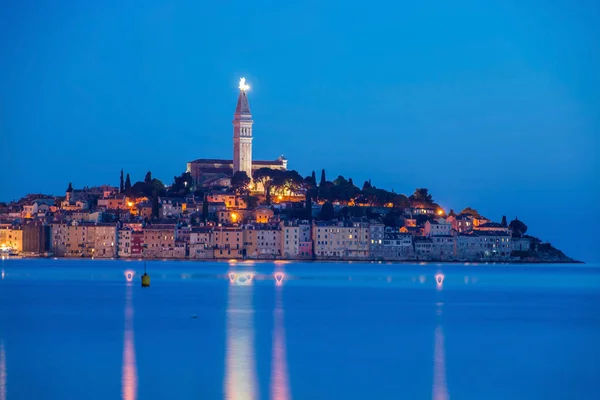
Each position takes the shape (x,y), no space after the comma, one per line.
(230,162)
(243,107)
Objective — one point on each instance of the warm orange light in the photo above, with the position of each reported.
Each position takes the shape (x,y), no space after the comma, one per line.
(130,204)
(440,212)
(280,197)
(234,217)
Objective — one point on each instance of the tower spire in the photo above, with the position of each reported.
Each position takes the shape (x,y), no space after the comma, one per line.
(242,132)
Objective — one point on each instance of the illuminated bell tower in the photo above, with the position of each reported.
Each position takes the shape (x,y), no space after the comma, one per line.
(242,133)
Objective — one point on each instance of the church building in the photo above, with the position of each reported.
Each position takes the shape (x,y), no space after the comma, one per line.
(216,172)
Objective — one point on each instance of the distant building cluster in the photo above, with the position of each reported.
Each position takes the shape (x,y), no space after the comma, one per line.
(101,223)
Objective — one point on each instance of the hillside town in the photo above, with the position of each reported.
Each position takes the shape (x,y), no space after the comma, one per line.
(229,223)
(249,209)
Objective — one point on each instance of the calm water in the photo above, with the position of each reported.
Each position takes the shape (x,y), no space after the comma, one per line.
(73,329)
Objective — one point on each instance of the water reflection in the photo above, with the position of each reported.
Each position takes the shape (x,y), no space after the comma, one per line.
(440,388)
(240,363)
(280,387)
(129,378)
(2,372)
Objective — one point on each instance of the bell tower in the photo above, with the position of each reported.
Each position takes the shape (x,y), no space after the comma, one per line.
(242,132)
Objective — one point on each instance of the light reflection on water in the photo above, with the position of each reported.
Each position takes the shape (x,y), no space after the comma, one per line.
(280,389)
(2,372)
(129,378)
(440,388)
(240,362)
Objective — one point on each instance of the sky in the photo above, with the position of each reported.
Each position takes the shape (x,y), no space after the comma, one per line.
(493,105)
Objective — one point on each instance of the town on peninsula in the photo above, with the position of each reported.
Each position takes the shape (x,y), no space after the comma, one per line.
(221,209)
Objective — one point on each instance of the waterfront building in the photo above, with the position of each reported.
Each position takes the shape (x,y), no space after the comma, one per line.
(296,239)
(444,247)
(377,233)
(124,236)
(341,240)
(423,248)
(396,246)
(11,238)
(36,238)
(200,243)
(159,241)
(227,242)
(483,244)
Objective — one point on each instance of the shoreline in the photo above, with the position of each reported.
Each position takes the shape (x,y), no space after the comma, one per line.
(279,260)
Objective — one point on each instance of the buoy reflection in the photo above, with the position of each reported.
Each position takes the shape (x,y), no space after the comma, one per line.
(279,278)
(439,281)
(240,363)
(129,378)
(129,274)
(2,372)
(280,387)
(241,278)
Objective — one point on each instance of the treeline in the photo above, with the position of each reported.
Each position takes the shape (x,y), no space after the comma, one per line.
(152,187)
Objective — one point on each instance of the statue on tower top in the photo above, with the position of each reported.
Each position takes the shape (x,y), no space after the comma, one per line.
(244,87)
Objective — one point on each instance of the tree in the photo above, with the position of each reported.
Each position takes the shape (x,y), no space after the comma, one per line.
(504,223)
(518,227)
(391,219)
(155,207)
(263,176)
(401,201)
(251,201)
(314,179)
(452,213)
(327,212)
(70,188)
(121,183)
(470,211)
(323,180)
(181,186)
(240,182)
(148,177)
(308,206)
(421,197)
(367,185)
(127,183)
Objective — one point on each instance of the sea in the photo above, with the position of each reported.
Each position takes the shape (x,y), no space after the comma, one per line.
(86,329)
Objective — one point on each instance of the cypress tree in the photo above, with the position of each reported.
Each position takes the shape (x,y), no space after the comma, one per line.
(323,180)
(127,183)
(121,183)
(155,206)
(314,178)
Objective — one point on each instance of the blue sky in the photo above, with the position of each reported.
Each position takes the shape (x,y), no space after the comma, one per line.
(494,105)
